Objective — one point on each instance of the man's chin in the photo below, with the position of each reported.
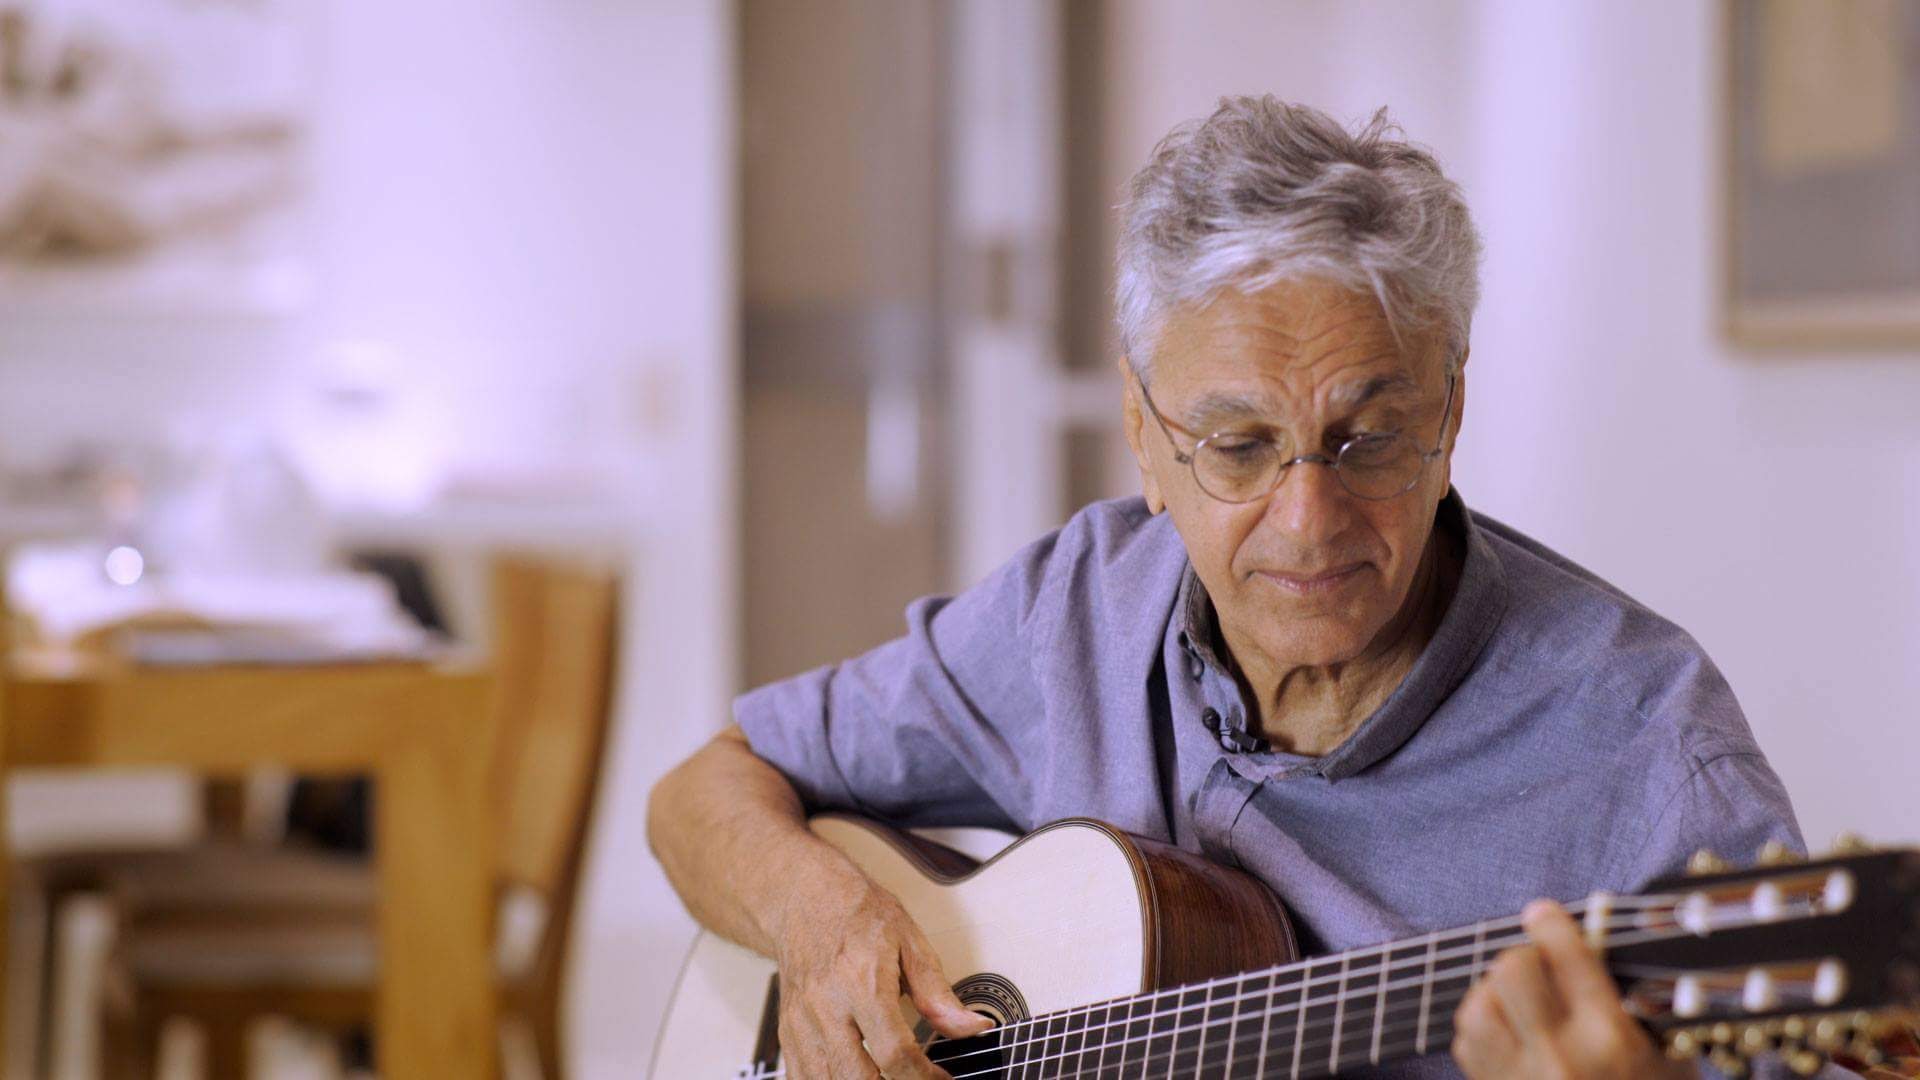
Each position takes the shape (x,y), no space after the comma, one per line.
(1336,643)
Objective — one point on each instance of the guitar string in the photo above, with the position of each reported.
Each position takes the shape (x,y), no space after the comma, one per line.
(1473,971)
(1387,1051)
(1302,1028)
(1319,1002)
(1305,986)
(1200,1051)
(1150,1038)
(1392,965)
(1624,907)
(1235,1041)
(1041,1037)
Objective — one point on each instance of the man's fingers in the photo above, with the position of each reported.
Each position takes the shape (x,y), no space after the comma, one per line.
(845,1057)
(1482,1037)
(890,1043)
(1574,968)
(801,1051)
(1527,994)
(927,985)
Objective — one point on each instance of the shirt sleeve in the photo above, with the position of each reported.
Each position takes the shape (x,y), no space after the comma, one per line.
(1729,802)
(929,729)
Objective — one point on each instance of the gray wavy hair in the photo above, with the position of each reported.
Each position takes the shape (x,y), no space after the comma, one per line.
(1263,191)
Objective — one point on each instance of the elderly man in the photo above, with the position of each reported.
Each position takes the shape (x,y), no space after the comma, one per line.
(1300,653)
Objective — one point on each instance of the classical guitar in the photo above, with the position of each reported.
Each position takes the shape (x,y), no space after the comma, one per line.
(1101,954)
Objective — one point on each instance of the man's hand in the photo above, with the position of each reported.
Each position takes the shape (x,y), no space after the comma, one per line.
(846,955)
(1550,1011)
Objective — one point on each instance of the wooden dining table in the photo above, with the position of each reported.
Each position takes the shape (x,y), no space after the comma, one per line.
(421,730)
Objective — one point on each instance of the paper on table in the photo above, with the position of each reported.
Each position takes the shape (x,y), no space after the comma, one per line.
(66,600)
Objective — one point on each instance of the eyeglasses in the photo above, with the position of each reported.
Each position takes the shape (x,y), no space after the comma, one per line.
(1239,468)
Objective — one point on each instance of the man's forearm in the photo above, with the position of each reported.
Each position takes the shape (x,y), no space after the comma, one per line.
(732,835)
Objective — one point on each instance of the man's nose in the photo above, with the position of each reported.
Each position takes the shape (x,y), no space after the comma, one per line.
(1310,506)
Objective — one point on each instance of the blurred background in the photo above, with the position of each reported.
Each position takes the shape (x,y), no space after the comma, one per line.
(780,314)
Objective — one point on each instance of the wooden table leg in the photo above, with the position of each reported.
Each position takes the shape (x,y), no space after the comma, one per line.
(434,1010)
(6,885)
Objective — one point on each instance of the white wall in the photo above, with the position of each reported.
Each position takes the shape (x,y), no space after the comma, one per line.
(1606,415)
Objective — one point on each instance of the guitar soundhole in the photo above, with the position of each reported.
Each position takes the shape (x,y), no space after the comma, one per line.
(989,995)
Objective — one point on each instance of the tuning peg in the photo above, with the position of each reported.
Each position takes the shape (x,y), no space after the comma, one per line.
(1850,843)
(1829,1034)
(1866,1051)
(1805,1062)
(1682,1044)
(1705,861)
(1728,1062)
(1759,994)
(1775,853)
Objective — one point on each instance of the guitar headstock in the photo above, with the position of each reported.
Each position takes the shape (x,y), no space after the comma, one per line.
(1805,959)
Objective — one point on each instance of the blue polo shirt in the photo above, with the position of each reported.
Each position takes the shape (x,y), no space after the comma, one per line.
(1554,738)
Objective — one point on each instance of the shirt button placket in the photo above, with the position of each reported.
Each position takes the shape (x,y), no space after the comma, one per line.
(1217,808)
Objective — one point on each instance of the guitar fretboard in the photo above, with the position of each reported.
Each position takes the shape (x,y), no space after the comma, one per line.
(1310,1019)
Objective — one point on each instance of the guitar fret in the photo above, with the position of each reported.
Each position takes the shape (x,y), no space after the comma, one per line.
(1049,1055)
(1426,993)
(1379,1006)
(1266,1025)
(1233,1020)
(1396,995)
(1139,1034)
(1246,1058)
(1339,1014)
(1073,1034)
(1222,1009)
(1300,1013)
(1200,1029)
(1099,1034)
(1184,1046)
(1036,1048)
(1160,1023)
(1012,1038)
(1367,976)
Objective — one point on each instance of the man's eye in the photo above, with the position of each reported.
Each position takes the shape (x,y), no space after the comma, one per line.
(1370,449)
(1239,447)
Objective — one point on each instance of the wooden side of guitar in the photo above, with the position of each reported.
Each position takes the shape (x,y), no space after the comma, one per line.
(1074,913)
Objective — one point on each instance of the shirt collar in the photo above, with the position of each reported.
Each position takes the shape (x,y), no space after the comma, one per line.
(1479,599)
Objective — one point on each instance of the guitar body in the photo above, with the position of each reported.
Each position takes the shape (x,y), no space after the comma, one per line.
(1074,913)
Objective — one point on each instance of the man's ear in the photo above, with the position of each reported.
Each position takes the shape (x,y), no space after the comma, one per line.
(1133,418)
(1459,395)
(1454,418)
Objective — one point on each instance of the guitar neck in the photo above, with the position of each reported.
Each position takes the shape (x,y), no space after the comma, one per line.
(1307,1019)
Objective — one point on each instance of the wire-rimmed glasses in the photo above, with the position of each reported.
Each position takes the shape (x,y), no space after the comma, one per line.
(1237,467)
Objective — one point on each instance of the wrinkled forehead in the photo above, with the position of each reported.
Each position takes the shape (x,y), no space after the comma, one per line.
(1307,342)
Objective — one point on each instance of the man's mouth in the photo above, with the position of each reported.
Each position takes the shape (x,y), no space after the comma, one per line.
(1312,583)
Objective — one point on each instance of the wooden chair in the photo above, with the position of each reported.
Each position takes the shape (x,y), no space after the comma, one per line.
(228,933)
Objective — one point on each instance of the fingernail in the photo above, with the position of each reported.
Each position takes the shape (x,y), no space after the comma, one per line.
(1535,911)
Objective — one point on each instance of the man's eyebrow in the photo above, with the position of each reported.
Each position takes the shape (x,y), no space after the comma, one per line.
(1221,407)
(1355,395)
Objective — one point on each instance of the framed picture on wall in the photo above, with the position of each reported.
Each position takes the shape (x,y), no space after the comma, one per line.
(1823,173)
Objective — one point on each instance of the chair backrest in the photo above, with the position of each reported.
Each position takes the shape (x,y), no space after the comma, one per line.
(554,650)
